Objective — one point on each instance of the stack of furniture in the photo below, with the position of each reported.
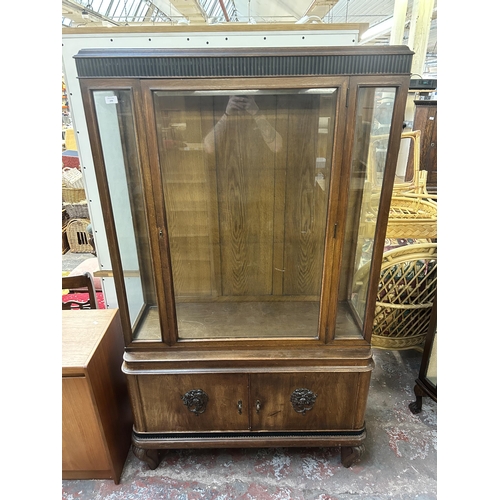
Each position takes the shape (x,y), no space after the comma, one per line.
(74,204)
(408,276)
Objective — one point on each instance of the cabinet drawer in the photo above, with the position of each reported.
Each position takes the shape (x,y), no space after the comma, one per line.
(167,403)
(323,401)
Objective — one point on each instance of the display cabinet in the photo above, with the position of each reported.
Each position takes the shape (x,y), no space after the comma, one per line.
(238,207)
(425,120)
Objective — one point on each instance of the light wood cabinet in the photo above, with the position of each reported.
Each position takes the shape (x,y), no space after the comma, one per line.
(239,206)
(96,413)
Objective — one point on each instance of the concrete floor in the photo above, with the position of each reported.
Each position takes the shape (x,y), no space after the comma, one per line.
(71,260)
(400,461)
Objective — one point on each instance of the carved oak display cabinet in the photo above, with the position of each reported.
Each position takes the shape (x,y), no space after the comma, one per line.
(241,193)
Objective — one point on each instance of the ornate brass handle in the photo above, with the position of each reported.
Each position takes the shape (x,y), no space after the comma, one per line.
(257,406)
(240,406)
(196,401)
(303,400)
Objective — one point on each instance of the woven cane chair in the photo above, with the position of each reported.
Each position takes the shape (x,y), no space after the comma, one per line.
(419,181)
(405,296)
(413,211)
(412,215)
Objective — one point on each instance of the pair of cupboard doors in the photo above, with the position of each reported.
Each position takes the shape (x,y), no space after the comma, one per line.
(294,400)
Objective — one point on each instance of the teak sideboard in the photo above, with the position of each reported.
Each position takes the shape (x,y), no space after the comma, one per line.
(241,195)
(96,414)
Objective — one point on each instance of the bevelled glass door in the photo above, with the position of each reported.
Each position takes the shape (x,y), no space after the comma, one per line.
(245,185)
(121,163)
(373,118)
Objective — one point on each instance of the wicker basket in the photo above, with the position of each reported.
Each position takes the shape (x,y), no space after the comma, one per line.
(72,195)
(78,238)
(72,177)
(72,186)
(405,296)
(77,210)
(65,242)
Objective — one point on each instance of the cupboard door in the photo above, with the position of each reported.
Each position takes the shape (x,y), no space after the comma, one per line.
(192,402)
(245,180)
(308,401)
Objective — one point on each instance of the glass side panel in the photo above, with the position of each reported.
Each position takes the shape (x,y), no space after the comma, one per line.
(246,178)
(431,374)
(374,109)
(121,159)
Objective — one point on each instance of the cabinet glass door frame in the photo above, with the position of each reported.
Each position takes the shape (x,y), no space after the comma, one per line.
(327,295)
(132,86)
(400,84)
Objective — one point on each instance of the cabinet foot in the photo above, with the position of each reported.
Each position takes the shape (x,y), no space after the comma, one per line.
(351,454)
(151,457)
(416,406)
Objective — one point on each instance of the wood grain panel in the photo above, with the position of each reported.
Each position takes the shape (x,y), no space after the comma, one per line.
(339,402)
(186,194)
(304,225)
(425,119)
(82,441)
(164,410)
(245,175)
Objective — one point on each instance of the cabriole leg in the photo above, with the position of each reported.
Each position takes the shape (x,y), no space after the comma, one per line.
(351,454)
(151,457)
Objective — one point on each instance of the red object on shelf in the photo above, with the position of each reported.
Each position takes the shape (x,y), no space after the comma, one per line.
(70,158)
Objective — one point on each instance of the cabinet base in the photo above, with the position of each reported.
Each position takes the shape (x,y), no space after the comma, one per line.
(147,446)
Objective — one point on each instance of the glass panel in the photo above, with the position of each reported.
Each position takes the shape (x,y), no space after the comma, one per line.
(374,110)
(431,373)
(246,178)
(121,159)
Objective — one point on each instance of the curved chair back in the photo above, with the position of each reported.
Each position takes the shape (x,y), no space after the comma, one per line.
(83,283)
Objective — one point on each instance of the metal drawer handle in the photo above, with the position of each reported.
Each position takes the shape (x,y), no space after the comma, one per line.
(303,400)
(196,401)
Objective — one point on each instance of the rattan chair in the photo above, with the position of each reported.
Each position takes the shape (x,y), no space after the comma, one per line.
(418,184)
(412,215)
(413,211)
(405,296)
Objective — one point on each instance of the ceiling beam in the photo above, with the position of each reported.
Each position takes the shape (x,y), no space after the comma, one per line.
(73,10)
(320,8)
(190,9)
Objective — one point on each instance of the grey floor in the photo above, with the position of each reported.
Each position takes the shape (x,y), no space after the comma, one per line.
(400,461)
(71,260)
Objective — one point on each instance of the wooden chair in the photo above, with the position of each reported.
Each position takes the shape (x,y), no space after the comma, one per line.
(83,283)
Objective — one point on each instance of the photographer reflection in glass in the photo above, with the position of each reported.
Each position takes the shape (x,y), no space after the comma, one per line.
(244,107)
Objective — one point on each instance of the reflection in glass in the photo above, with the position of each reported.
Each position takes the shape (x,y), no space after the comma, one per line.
(245,179)
(374,110)
(121,160)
